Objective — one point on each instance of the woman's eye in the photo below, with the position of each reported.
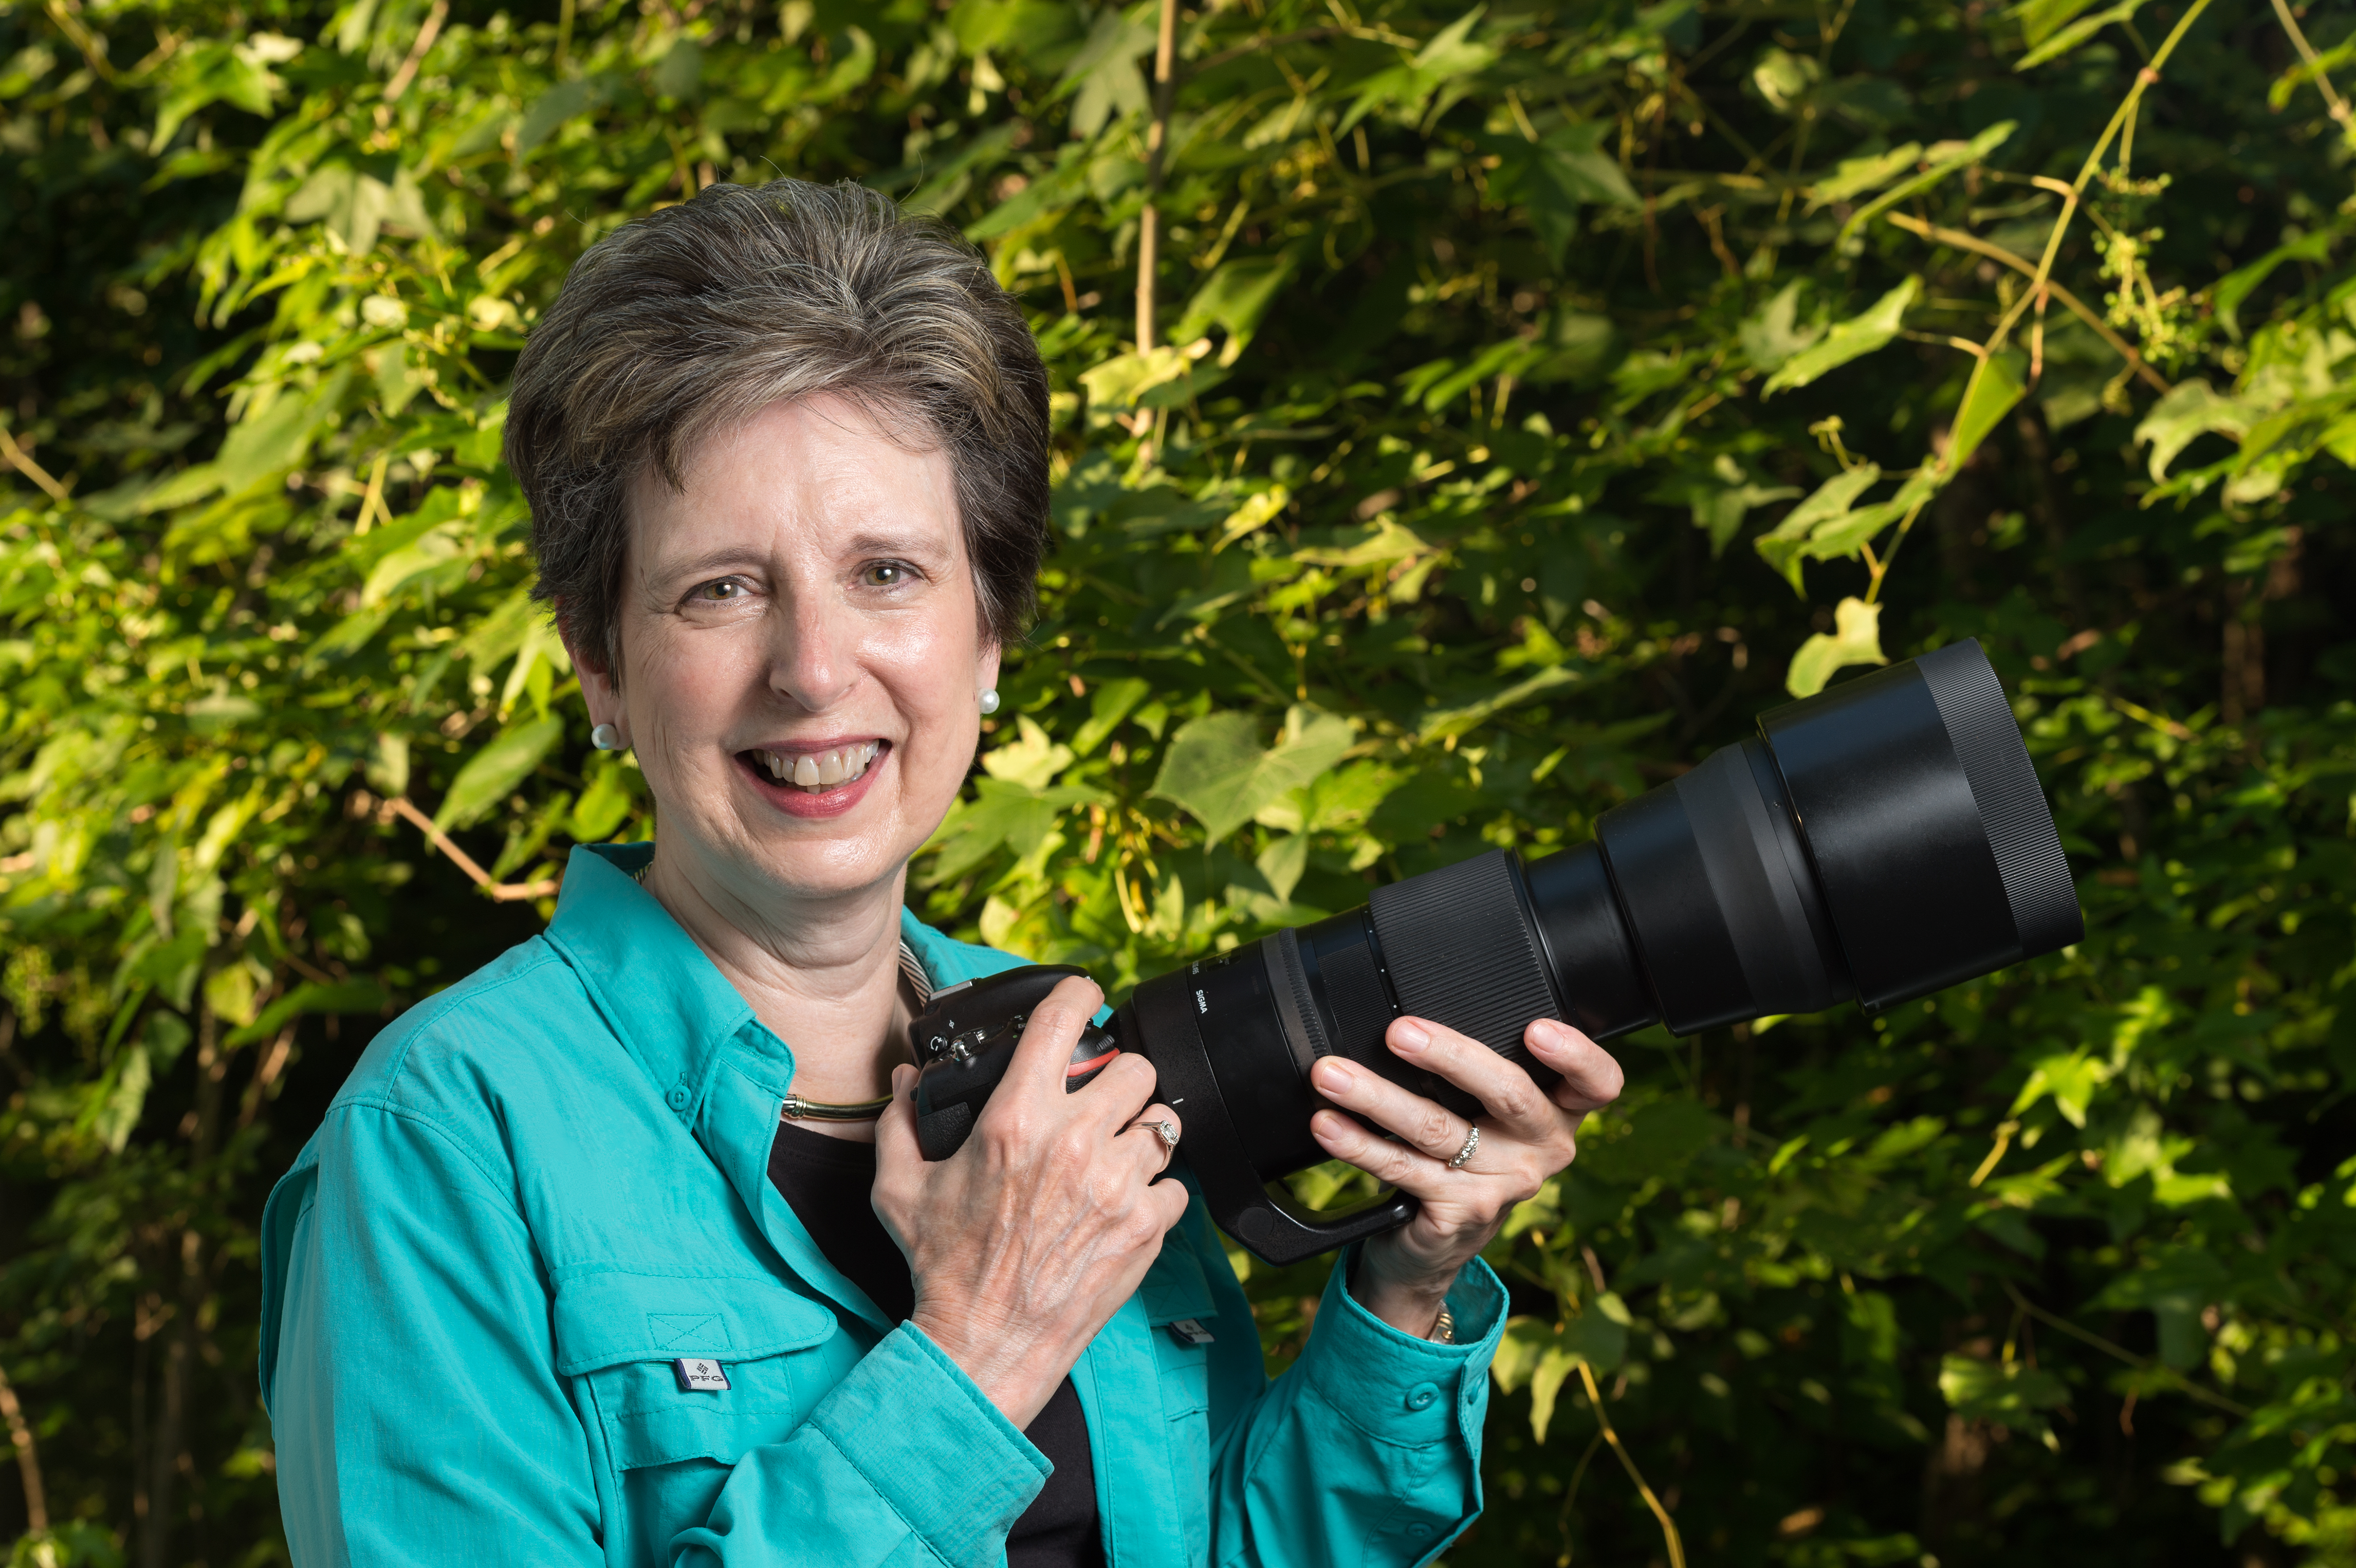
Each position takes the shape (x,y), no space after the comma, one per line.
(883,574)
(721,592)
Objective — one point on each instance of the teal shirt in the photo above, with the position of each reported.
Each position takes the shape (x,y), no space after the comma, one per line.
(542,1186)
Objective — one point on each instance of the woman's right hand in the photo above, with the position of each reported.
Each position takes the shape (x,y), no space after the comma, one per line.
(1027,1240)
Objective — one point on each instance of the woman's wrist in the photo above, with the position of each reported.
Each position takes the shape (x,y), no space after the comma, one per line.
(1408,1302)
(1014,1372)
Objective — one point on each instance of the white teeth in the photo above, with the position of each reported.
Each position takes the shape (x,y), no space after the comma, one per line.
(818,772)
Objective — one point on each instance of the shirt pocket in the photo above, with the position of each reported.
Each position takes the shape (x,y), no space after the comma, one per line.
(1176,1294)
(668,1451)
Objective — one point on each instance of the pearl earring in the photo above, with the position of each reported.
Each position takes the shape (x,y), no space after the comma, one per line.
(605,738)
(989,700)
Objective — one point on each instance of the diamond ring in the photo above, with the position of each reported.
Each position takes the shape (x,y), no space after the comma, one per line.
(1471,1142)
(1169,1131)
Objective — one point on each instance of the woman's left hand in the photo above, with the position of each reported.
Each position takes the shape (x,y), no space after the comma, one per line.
(1403,1276)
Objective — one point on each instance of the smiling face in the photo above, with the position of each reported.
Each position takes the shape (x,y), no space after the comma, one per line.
(801,655)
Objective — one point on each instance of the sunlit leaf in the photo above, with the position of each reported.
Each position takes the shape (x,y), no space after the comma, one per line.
(1846,341)
(1855,639)
(492,772)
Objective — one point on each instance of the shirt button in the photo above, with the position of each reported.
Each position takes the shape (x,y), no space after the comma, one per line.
(679,1097)
(1421,1396)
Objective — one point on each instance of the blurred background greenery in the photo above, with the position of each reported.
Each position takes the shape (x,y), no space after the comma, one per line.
(1519,401)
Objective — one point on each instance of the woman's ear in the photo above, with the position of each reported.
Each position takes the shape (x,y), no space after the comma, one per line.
(598,687)
(986,674)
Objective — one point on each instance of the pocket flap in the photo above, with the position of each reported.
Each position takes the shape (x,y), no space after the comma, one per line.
(606,1317)
(1175,1288)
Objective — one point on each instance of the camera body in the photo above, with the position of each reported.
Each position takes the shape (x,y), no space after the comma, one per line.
(964,1040)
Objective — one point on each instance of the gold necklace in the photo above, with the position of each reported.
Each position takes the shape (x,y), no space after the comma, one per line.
(797,1109)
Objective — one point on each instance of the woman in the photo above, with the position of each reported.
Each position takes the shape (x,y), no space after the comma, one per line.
(622,1248)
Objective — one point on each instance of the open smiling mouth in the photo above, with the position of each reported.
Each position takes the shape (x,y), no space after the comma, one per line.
(815,772)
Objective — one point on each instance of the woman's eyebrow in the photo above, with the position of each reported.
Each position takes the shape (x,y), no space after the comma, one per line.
(894,544)
(727,558)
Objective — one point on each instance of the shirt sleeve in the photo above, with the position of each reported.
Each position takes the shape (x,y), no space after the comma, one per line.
(409,1366)
(1368,1450)
(414,1394)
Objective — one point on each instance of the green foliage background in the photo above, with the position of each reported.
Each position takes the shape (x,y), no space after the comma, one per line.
(1518,366)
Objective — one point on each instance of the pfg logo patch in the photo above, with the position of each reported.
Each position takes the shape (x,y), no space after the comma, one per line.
(697,1376)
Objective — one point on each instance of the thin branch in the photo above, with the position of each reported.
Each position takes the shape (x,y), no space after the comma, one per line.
(91,44)
(22,462)
(2314,66)
(1157,141)
(417,51)
(1668,1527)
(1960,240)
(28,1463)
(506,892)
(2174,1378)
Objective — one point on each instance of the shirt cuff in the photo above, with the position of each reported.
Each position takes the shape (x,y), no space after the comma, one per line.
(1395,1386)
(964,1486)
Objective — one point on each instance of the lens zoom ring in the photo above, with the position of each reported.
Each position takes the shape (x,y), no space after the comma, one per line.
(1460,954)
(2004,785)
(1361,1012)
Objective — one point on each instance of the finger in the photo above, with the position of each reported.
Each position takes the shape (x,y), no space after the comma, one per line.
(1142,1134)
(1045,1047)
(1503,1089)
(898,1159)
(1398,1165)
(1430,1127)
(1119,1095)
(1591,1075)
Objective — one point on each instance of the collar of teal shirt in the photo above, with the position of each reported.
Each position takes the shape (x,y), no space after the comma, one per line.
(716,1066)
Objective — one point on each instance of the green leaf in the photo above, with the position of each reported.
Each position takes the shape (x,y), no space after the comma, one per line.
(550,109)
(493,772)
(1941,159)
(361,996)
(1448,55)
(2040,19)
(2237,285)
(2176,1287)
(1032,760)
(1855,639)
(1772,336)
(1234,298)
(606,804)
(1990,396)
(1852,178)
(1282,863)
(2063,40)
(1848,340)
(1217,773)
(2011,1395)
(1001,812)
(1107,705)
(2193,409)
(1785,81)
(1443,723)
(1105,74)
(1783,546)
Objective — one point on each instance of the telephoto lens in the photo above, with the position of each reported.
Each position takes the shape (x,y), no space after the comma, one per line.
(1879,841)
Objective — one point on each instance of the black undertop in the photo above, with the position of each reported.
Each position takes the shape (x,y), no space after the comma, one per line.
(827,1180)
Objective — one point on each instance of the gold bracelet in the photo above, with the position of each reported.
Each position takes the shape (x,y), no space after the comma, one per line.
(1444,1331)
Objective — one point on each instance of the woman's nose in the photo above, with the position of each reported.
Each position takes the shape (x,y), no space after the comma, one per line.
(814,660)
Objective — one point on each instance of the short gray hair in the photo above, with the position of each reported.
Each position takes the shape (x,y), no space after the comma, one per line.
(696,317)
